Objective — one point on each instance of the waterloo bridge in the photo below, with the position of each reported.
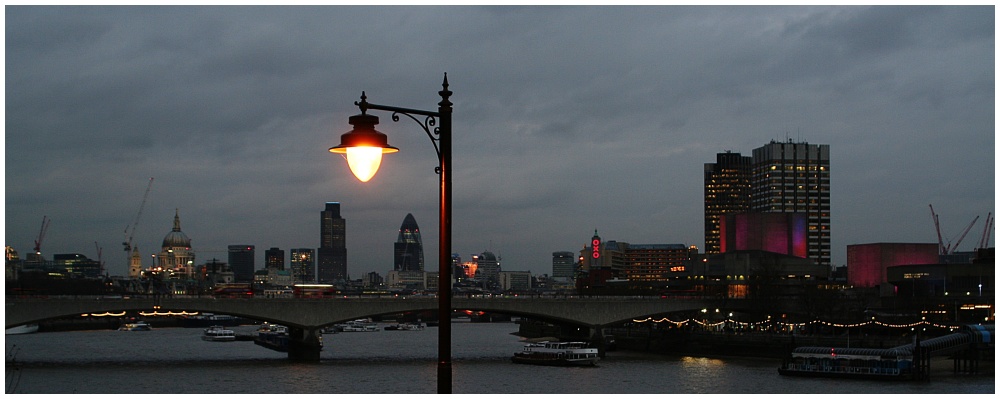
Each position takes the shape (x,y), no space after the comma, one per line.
(305,317)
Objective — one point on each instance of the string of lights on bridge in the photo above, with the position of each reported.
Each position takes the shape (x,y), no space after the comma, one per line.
(922,322)
(146,314)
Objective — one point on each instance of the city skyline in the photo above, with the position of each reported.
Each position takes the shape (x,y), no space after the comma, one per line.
(567,119)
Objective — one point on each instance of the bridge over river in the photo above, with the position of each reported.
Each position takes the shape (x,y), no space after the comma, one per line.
(306,316)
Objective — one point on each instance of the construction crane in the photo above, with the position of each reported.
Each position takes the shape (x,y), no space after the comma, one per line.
(962,237)
(937,227)
(947,249)
(99,261)
(41,235)
(987,230)
(129,235)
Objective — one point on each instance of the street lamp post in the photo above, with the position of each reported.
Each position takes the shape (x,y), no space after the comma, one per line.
(363,147)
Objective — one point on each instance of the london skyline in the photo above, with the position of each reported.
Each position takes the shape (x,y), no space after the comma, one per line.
(567,120)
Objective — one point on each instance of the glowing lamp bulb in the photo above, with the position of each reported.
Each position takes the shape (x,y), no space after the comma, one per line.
(364,161)
(363,146)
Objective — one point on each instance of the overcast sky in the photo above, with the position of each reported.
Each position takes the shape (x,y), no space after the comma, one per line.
(567,120)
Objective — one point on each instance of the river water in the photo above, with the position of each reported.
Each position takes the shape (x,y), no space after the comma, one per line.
(176,360)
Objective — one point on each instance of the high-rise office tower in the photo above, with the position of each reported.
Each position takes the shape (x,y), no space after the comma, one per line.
(795,177)
(563,264)
(303,265)
(408,251)
(332,253)
(241,260)
(488,268)
(727,191)
(274,259)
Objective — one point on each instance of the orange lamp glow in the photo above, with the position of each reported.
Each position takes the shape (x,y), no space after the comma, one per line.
(364,146)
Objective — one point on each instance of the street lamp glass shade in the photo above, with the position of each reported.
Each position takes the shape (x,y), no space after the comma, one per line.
(364,161)
(364,146)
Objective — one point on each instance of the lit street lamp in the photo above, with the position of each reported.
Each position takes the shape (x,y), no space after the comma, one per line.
(363,147)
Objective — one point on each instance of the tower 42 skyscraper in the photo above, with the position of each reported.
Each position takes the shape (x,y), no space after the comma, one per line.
(332,253)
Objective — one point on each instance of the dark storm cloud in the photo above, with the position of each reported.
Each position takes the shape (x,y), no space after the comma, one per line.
(568,119)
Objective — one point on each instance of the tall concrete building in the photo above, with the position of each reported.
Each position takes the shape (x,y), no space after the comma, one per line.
(332,252)
(563,264)
(303,265)
(274,259)
(727,191)
(241,261)
(780,177)
(487,268)
(795,177)
(408,250)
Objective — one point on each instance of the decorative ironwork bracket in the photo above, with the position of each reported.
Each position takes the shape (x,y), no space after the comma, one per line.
(429,124)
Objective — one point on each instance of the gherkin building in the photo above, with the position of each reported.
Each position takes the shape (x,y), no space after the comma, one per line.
(408,251)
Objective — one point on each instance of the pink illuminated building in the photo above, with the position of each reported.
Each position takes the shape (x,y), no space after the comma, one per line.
(867,264)
(783,233)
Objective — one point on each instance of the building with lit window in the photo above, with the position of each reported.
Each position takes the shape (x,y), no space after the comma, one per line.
(408,250)
(727,191)
(487,268)
(303,265)
(176,257)
(241,260)
(563,264)
(795,177)
(274,259)
(868,264)
(515,281)
(332,252)
(605,260)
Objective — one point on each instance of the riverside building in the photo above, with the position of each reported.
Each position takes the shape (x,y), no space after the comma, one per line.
(780,177)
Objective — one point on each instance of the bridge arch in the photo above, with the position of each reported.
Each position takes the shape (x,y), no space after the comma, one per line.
(316,313)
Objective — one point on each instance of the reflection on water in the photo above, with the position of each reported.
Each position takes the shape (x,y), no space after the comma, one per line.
(176,360)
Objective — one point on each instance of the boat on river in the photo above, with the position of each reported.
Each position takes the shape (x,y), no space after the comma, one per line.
(272,336)
(860,363)
(405,327)
(205,320)
(218,334)
(135,326)
(549,353)
(22,329)
(359,325)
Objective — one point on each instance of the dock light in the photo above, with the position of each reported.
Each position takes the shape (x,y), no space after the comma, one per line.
(363,146)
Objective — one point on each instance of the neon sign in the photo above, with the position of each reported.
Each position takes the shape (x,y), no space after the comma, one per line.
(597,247)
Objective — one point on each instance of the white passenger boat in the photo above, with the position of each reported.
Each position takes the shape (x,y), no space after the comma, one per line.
(405,327)
(219,334)
(23,329)
(135,326)
(359,325)
(549,353)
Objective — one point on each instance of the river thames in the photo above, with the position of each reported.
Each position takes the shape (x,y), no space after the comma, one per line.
(178,361)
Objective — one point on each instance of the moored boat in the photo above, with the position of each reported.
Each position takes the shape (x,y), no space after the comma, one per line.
(135,326)
(272,340)
(218,334)
(550,353)
(861,363)
(22,329)
(359,325)
(405,327)
(205,320)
